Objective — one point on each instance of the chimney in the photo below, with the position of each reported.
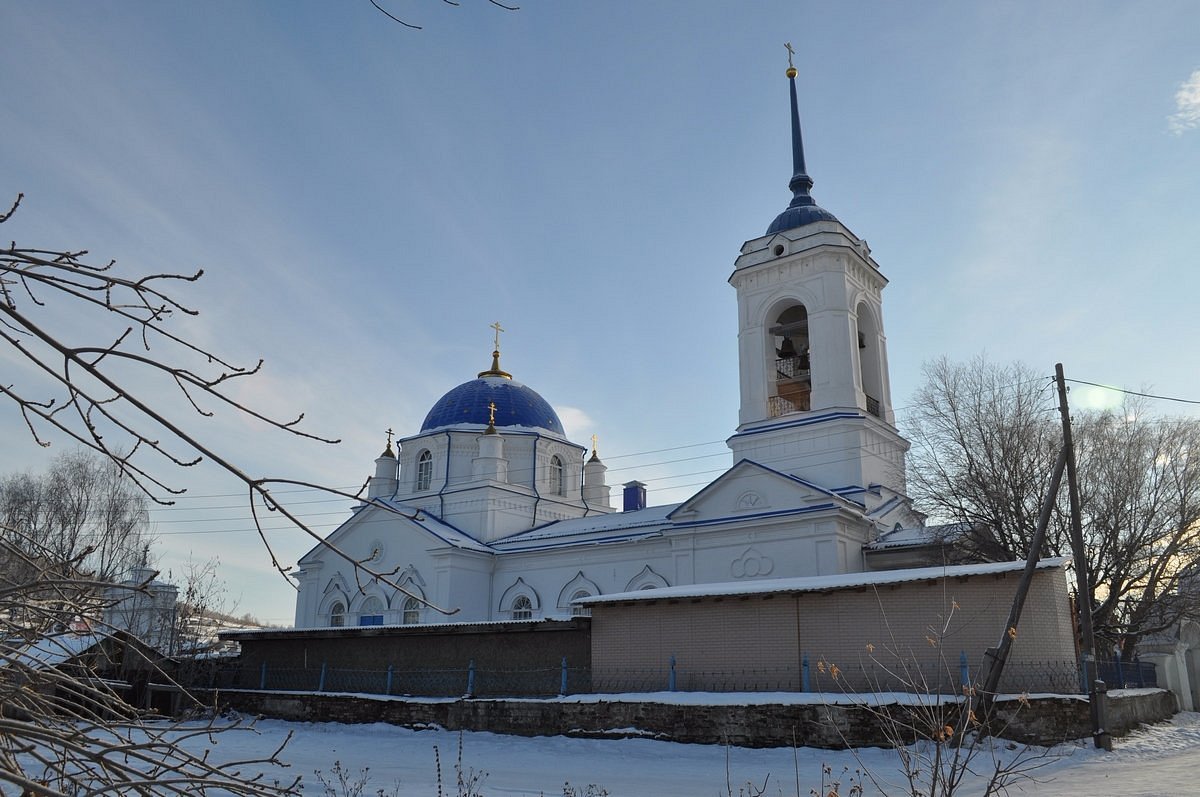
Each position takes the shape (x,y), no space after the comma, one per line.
(635,496)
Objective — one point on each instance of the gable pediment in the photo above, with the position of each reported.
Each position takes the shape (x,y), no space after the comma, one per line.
(376,533)
(749,490)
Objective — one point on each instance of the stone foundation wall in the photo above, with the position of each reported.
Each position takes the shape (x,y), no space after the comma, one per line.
(1039,721)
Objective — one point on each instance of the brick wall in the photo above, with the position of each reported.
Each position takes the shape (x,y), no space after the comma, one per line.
(1037,721)
(889,637)
(437,656)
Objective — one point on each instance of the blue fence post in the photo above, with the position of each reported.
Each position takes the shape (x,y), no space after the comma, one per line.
(804,673)
(262,676)
(321,683)
(671,675)
(562,687)
(1120,670)
(388,691)
(964,670)
(471,678)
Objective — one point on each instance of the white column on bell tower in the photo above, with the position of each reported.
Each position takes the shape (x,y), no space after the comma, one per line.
(816,400)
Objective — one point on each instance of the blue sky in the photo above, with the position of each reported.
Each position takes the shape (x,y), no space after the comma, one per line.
(366,199)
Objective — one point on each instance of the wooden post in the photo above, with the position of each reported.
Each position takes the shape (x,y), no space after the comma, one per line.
(1096,687)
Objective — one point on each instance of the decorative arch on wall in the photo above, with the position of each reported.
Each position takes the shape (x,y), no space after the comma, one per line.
(370,609)
(410,611)
(580,583)
(333,610)
(334,593)
(519,589)
(410,582)
(646,579)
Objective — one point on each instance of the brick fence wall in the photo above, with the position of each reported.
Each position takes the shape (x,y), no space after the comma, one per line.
(1039,721)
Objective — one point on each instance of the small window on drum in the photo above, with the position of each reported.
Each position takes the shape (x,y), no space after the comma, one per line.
(424,470)
(556,475)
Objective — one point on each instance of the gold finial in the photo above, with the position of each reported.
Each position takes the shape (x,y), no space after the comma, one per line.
(791,70)
(387,452)
(595,450)
(495,369)
(491,418)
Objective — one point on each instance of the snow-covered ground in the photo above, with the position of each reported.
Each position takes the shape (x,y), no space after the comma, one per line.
(1159,760)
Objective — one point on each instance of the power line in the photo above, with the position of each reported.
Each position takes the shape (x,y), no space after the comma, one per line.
(1134,392)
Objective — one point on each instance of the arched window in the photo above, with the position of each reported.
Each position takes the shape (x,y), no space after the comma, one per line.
(869,361)
(792,380)
(412,611)
(337,614)
(577,610)
(556,475)
(424,470)
(522,608)
(371,612)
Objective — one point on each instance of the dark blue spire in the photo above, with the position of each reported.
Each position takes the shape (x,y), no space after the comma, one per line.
(802,209)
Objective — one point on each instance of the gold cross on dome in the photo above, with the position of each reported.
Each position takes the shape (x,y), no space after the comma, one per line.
(594,438)
(791,52)
(389,434)
(496,326)
(492,413)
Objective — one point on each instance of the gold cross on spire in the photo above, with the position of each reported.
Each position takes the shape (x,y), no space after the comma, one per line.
(791,52)
(594,439)
(496,326)
(389,434)
(491,413)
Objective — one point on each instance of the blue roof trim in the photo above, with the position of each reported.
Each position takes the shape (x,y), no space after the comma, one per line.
(687,524)
(512,548)
(790,477)
(516,405)
(832,416)
(422,518)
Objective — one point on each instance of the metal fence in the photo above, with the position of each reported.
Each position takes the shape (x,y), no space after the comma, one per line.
(949,676)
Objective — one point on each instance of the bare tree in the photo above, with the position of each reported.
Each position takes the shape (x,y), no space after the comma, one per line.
(984,441)
(64,730)
(80,508)
(381,9)
(98,357)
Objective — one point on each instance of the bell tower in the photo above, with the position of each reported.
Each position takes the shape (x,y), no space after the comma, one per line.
(812,354)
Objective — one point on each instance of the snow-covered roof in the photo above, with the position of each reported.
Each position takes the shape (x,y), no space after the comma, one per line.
(594,529)
(918,535)
(483,624)
(819,583)
(52,650)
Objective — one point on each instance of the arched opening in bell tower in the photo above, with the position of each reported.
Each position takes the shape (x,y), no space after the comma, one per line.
(870,365)
(789,364)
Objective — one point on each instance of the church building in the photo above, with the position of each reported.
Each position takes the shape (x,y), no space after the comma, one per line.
(490,511)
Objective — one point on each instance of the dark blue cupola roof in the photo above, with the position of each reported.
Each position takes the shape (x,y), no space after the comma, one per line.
(470,405)
(803,209)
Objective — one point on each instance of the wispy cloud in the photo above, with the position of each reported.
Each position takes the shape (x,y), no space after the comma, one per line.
(1187,106)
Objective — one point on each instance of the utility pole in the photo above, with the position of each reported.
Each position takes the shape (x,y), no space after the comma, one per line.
(1096,688)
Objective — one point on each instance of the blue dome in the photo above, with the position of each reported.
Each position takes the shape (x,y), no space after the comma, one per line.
(516,405)
(798,216)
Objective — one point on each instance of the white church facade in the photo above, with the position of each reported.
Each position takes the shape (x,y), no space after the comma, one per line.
(489,511)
